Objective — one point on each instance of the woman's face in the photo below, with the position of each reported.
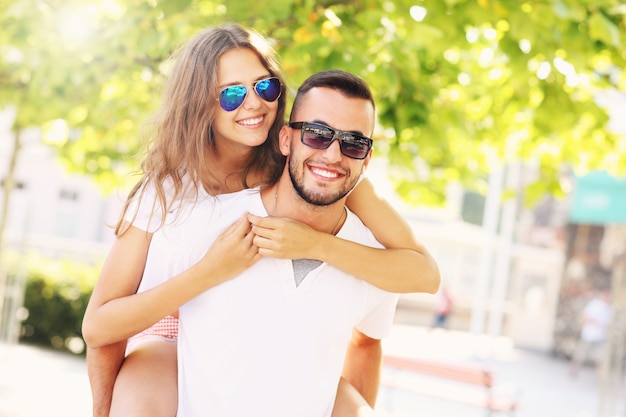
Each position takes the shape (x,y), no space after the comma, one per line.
(248,124)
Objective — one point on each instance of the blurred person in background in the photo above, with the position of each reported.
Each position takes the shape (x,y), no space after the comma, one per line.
(443,309)
(594,322)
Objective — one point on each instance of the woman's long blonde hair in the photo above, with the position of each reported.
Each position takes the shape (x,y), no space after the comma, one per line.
(181,130)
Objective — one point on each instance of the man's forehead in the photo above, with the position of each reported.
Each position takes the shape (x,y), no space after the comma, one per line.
(335,109)
(322,94)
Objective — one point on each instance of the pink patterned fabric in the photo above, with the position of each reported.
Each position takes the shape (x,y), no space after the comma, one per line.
(166,330)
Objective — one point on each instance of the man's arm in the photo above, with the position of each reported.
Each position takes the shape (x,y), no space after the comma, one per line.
(103,364)
(362,367)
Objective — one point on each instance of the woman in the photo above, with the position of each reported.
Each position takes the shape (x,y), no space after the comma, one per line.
(217,129)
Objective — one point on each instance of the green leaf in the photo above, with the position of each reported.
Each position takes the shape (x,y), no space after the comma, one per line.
(171,7)
(603,29)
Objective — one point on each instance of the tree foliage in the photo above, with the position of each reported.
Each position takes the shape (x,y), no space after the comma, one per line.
(462,86)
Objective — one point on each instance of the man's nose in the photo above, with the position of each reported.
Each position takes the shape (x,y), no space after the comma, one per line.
(333,152)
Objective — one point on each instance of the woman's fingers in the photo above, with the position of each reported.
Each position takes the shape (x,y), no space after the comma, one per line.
(281,237)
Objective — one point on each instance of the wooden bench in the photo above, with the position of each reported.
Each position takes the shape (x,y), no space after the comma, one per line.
(461,374)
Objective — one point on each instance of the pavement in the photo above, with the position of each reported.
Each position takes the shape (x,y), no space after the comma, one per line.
(39,382)
(541,383)
(36,381)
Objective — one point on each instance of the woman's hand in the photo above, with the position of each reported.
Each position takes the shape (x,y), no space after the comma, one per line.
(284,238)
(232,252)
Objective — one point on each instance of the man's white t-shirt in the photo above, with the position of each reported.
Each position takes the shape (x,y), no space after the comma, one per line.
(258,345)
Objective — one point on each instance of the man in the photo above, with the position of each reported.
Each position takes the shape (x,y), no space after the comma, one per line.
(272,340)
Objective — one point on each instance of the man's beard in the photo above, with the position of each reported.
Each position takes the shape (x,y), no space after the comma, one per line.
(315,198)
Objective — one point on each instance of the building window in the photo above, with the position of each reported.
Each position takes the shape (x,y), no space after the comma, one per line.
(68,195)
(67,214)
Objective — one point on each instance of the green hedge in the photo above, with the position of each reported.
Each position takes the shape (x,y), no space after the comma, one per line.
(55,298)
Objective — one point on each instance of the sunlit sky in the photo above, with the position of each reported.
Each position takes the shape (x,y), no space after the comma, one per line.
(77,24)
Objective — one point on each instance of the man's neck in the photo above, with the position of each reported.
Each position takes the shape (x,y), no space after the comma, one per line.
(282,200)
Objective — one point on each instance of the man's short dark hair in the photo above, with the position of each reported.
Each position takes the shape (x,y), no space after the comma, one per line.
(346,83)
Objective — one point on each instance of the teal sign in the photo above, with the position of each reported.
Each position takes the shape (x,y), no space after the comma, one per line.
(599,199)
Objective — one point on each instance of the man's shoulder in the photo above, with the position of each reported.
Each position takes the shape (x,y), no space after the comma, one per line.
(355,230)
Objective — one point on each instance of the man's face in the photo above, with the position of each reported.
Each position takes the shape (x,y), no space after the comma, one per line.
(324,176)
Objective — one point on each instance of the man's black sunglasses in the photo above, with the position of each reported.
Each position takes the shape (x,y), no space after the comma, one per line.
(319,136)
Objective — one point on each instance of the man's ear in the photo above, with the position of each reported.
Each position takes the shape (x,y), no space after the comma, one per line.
(284,139)
(366,161)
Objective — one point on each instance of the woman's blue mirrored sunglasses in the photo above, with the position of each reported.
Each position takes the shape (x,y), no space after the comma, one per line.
(230,98)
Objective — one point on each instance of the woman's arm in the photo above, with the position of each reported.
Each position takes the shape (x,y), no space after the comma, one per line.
(115,312)
(104,362)
(119,278)
(405,266)
(411,268)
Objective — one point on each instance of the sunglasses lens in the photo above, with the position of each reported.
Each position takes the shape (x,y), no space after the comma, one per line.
(354,146)
(268,89)
(317,137)
(232,97)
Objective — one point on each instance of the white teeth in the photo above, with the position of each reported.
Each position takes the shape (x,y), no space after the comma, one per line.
(250,122)
(324,173)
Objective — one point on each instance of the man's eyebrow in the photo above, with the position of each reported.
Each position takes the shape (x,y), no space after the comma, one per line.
(356,132)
